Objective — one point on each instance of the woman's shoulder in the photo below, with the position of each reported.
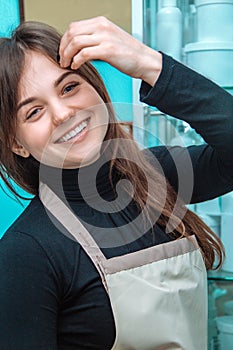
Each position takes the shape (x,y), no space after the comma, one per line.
(36,222)
(36,230)
(35,242)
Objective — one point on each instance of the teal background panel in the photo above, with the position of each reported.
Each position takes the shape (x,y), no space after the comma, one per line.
(119,87)
(10,208)
(9,16)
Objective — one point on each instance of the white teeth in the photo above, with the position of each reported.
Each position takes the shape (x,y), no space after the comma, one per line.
(74,132)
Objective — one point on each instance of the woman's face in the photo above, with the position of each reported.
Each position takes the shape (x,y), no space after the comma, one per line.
(61,119)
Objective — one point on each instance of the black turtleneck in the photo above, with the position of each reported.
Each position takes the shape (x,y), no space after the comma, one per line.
(51,295)
(94,194)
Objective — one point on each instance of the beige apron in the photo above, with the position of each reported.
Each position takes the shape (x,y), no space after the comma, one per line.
(158,294)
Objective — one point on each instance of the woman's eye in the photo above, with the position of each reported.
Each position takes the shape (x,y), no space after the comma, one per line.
(33,113)
(69,88)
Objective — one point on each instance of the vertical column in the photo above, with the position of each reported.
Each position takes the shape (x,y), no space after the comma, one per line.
(137,32)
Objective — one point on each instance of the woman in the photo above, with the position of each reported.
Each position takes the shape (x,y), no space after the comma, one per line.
(58,129)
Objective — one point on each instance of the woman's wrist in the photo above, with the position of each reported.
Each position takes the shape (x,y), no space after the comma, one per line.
(152,67)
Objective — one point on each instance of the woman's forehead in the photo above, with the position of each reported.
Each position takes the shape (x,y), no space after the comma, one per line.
(38,67)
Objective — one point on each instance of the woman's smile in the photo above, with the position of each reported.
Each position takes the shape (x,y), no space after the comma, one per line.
(77,134)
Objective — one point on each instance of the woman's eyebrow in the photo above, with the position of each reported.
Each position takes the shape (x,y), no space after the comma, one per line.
(25,102)
(56,83)
(63,76)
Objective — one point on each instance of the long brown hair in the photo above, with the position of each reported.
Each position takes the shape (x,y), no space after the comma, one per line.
(40,37)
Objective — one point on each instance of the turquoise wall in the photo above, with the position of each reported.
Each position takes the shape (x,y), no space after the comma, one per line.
(9,16)
(119,87)
(10,207)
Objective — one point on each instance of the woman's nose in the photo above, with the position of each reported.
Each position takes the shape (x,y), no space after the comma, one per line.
(61,113)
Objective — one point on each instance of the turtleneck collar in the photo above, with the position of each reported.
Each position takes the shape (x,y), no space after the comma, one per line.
(88,182)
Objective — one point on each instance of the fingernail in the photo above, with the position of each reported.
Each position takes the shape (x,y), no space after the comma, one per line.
(72,65)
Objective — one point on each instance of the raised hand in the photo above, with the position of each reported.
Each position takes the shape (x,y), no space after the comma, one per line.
(100,39)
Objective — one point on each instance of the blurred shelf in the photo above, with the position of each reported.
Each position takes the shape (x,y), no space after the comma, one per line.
(220,275)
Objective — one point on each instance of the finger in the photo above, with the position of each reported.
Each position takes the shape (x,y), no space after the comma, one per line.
(76,44)
(75,28)
(84,27)
(88,54)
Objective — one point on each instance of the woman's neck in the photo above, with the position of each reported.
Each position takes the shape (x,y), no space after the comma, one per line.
(88,182)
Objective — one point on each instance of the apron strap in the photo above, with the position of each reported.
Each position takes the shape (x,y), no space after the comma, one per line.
(70,221)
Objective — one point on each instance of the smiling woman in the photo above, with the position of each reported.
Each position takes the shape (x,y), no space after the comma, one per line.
(108,228)
(61,113)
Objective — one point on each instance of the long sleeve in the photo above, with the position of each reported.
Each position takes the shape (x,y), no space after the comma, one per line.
(28,296)
(187,95)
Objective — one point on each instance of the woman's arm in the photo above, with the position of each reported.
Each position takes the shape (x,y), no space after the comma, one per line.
(28,303)
(187,95)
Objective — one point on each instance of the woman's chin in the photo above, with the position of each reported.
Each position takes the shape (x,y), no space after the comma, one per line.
(72,161)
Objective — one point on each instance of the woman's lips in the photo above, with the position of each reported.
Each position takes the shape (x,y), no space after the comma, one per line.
(76,134)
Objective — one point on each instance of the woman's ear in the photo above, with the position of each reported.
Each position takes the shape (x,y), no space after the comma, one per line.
(19,149)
